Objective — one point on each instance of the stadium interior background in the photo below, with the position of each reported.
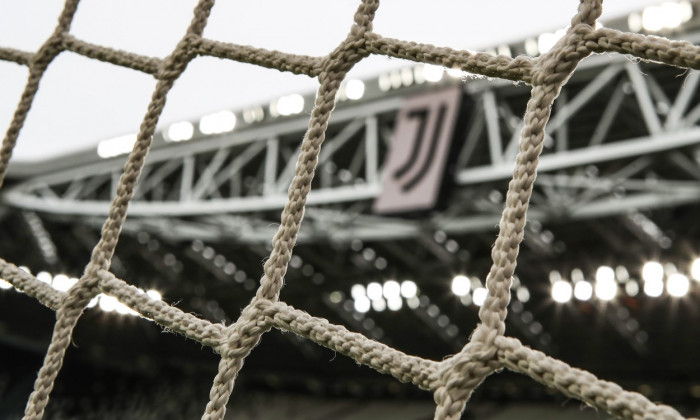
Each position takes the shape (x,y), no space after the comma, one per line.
(608,277)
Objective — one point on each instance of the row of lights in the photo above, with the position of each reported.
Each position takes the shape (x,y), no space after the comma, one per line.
(462,286)
(389,295)
(608,280)
(666,16)
(418,75)
(225,121)
(63,283)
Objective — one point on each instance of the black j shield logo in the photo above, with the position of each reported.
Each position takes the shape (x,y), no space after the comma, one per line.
(416,162)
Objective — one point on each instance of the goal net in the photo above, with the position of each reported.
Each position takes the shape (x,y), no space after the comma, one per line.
(452,380)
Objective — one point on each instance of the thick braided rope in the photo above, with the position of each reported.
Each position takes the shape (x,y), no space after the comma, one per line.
(246,331)
(452,380)
(88,286)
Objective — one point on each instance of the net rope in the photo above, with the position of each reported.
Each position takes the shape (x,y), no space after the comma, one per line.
(451,380)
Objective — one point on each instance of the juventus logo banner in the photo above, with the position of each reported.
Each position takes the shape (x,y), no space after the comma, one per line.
(415,165)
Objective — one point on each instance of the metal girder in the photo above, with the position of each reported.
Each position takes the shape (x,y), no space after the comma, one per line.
(240,172)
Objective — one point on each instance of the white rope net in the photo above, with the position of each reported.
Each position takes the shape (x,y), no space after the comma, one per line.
(451,380)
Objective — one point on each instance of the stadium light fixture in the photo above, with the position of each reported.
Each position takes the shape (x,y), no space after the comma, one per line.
(374,291)
(44,277)
(116,146)
(384,82)
(93,301)
(677,285)
(379,304)
(479,296)
(180,131)
(531,47)
(668,15)
(391,290)
(409,289)
(108,303)
(523,294)
(653,271)
(358,291)
(355,89)
(547,40)
(583,290)
(654,287)
(695,269)
(287,105)
(394,304)
(62,283)
(362,304)
(154,294)
(455,73)
(413,302)
(217,123)
(561,291)
(605,286)
(632,288)
(460,285)
(432,73)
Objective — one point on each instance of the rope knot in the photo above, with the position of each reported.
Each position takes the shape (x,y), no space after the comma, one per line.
(176,63)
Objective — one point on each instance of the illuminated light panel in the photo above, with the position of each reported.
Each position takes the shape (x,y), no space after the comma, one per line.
(44,277)
(531,47)
(479,296)
(632,288)
(695,269)
(93,301)
(653,287)
(62,283)
(634,22)
(583,290)
(358,291)
(374,291)
(252,115)
(522,294)
(290,104)
(677,285)
(362,305)
(432,73)
(217,123)
(504,50)
(668,15)
(355,89)
(605,286)
(391,290)
(394,304)
(384,82)
(379,304)
(547,40)
(561,291)
(116,146)
(122,309)
(180,131)
(406,76)
(460,285)
(409,289)
(336,297)
(108,303)
(395,77)
(154,294)
(4,284)
(455,73)
(652,271)
(413,302)
(554,276)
